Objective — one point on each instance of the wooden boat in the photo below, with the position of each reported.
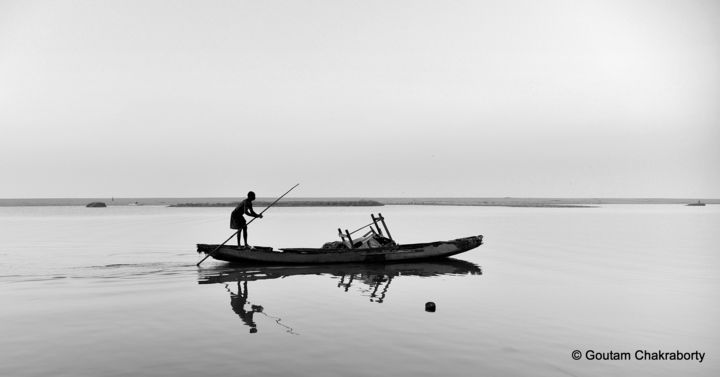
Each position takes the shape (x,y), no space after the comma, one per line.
(393,253)
(374,246)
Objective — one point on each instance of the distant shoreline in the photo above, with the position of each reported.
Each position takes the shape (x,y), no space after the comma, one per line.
(291,203)
(355,202)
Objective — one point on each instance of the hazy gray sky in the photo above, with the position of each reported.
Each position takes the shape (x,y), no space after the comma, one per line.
(360,98)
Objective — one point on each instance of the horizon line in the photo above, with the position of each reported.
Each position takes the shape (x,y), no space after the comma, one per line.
(366,197)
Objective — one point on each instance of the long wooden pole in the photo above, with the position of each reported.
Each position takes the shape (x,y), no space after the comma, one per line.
(251,220)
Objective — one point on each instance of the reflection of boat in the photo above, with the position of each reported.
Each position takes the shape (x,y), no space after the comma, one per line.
(373,280)
(387,253)
(252,272)
(698,204)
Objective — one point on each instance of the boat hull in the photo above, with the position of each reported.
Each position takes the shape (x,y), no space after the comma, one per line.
(410,252)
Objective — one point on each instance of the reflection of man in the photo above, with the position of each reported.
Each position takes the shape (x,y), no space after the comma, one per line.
(238,301)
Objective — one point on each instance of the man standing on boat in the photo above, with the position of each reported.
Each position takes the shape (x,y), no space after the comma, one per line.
(237,221)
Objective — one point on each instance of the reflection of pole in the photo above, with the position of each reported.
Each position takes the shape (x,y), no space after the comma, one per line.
(277,320)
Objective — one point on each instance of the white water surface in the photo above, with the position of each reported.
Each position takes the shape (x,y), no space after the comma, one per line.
(115,292)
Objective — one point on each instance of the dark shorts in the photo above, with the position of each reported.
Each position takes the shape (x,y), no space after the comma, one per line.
(237,221)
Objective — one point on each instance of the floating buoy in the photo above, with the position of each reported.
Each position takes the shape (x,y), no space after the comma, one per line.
(430,306)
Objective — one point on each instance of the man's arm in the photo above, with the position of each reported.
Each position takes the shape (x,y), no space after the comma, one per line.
(250,211)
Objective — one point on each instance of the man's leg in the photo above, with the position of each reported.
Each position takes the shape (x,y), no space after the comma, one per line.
(245,235)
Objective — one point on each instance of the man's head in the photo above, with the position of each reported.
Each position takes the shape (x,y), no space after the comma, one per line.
(251,195)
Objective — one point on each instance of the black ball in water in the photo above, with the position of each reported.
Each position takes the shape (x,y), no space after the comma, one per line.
(430,306)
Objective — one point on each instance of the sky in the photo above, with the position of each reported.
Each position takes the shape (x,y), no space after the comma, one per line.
(360,98)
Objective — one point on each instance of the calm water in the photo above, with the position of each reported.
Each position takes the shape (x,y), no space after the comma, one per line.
(115,292)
